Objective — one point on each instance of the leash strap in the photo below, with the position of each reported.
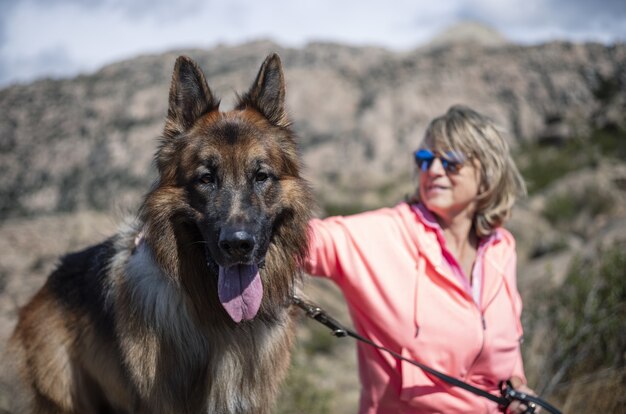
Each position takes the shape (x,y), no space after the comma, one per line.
(508,392)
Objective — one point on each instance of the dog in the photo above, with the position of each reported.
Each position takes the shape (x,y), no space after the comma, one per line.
(187,309)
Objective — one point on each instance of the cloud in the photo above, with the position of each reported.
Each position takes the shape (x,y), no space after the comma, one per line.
(603,18)
(532,21)
(137,8)
(54,62)
(65,37)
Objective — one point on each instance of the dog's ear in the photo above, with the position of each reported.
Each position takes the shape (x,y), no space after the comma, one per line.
(267,93)
(190,97)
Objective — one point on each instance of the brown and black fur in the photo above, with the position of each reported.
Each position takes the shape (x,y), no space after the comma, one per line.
(134,325)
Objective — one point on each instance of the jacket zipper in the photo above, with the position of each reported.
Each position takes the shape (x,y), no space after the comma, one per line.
(482,343)
(484,326)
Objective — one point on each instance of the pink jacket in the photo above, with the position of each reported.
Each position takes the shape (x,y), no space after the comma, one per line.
(401,295)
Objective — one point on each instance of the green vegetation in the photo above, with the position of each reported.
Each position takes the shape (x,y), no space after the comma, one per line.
(541,165)
(321,340)
(300,394)
(386,194)
(548,247)
(331,209)
(610,141)
(561,209)
(607,88)
(584,324)
(300,391)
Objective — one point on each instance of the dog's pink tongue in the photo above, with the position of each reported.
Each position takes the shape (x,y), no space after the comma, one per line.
(240,291)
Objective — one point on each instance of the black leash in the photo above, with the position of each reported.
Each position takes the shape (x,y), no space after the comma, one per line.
(509,394)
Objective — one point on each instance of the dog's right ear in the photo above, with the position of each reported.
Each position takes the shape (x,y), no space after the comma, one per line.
(190,97)
(267,94)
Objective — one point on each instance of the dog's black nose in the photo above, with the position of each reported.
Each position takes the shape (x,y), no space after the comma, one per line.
(236,244)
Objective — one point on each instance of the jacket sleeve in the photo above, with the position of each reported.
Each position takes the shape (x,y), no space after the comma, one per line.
(351,247)
(511,276)
(326,237)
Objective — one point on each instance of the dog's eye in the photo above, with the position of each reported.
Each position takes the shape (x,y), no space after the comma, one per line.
(261,176)
(206,178)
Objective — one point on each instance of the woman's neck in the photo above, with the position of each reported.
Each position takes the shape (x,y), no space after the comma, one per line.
(461,240)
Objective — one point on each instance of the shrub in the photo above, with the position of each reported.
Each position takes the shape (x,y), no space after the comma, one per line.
(542,165)
(332,209)
(562,209)
(584,321)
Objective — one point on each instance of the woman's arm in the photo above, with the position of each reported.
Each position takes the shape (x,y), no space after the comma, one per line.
(324,236)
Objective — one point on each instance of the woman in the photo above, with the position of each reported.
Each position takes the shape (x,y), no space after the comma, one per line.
(434,279)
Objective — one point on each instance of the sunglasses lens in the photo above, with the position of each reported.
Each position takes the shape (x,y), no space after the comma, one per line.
(452,161)
(449,166)
(423,159)
(424,165)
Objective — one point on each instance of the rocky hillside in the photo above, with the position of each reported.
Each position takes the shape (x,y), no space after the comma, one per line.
(76,157)
(67,145)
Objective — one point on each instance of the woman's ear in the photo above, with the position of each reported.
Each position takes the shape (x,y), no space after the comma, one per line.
(481,176)
(482,189)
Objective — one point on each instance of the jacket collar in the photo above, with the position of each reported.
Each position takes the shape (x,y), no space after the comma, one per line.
(429,240)
(427,235)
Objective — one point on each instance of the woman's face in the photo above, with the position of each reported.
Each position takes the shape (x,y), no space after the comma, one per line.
(449,194)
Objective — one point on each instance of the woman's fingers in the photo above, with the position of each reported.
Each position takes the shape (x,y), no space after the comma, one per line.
(516,407)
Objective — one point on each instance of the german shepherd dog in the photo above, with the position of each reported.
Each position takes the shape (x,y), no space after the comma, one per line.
(187,310)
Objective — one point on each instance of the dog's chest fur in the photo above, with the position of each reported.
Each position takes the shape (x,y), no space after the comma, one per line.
(167,352)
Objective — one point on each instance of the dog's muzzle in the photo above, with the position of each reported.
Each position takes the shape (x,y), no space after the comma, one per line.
(240,289)
(237,246)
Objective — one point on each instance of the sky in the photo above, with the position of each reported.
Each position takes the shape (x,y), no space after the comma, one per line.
(62,38)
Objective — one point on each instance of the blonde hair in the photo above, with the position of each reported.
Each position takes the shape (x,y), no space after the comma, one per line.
(466,131)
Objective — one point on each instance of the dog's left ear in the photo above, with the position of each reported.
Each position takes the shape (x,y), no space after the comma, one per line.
(267,93)
(190,97)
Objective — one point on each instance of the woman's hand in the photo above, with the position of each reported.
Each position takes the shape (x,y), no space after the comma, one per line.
(518,407)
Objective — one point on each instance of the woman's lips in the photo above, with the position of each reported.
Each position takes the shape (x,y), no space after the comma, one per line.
(436,187)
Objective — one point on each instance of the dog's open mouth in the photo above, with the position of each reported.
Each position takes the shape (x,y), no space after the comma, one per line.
(240,290)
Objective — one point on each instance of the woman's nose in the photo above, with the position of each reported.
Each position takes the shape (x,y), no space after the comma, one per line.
(436,167)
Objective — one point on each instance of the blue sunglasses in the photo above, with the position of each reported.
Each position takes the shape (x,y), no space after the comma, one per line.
(451,161)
